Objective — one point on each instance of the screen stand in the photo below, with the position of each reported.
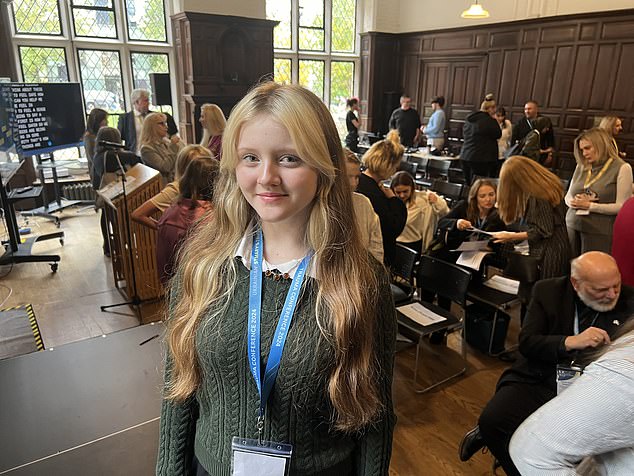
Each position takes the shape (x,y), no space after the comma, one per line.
(59,203)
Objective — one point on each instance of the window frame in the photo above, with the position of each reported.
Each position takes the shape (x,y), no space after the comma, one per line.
(14,26)
(327,56)
(72,7)
(123,45)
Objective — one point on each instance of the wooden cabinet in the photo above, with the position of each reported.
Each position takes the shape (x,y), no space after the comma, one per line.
(219,58)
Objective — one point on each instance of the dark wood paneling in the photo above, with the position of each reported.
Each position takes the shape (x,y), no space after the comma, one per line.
(578,67)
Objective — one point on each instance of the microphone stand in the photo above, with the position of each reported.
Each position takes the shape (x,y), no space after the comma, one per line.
(135,300)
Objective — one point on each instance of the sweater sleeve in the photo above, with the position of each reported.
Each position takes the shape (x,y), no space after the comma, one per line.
(623,192)
(374,448)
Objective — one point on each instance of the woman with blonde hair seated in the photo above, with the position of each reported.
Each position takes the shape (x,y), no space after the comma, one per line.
(157,151)
(213,122)
(381,162)
(600,185)
(160,202)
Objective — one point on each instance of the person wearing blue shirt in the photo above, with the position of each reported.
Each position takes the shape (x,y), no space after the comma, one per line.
(435,128)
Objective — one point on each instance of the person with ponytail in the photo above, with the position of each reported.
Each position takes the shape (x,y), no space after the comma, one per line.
(381,162)
(279,279)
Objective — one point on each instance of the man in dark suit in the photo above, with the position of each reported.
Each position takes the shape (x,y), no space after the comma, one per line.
(566,316)
(407,121)
(130,123)
(525,125)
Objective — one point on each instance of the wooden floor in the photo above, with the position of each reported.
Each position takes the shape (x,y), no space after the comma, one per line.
(66,305)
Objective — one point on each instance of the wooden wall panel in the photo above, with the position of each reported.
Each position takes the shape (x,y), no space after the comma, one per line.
(578,67)
(562,73)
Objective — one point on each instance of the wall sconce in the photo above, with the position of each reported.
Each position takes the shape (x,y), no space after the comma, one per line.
(475,11)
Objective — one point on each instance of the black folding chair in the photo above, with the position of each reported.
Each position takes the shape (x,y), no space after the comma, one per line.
(402,270)
(438,168)
(446,280)
(522,268)
(408,167)
(451,191)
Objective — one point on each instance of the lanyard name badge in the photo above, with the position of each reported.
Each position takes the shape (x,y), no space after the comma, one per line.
(256,456)
(567,374)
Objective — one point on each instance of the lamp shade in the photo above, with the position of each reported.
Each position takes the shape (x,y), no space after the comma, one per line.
(475,11)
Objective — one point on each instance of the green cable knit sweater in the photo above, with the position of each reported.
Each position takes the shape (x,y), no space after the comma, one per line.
(298,412)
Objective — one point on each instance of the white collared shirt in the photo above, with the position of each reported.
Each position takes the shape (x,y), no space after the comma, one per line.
(138,127)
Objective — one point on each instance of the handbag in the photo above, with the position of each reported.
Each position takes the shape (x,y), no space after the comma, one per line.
(106,179)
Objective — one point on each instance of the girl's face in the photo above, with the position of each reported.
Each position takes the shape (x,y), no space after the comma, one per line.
(500,117)
(486,198)
(202,120)
(588,151)
(404,192)
(275,181)
(618,127)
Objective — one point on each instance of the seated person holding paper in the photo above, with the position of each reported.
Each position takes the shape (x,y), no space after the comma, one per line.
(478,211)
(532,196)
(565,316)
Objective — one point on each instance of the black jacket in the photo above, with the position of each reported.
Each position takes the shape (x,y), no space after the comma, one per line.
(549,320)
(392,214)
(480,133)
(453,236)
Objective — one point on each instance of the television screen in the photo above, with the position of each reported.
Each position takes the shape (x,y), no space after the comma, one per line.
(41,118)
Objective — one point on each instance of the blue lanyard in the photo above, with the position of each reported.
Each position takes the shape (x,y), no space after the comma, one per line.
(265,386)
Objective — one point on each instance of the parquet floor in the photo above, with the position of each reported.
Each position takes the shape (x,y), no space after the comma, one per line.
(67,303)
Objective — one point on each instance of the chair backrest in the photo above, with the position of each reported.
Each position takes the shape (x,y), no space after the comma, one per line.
(438,167)
(449,190)
(455,175)
(522,268)
(442,278)
(408,167)
(403,261)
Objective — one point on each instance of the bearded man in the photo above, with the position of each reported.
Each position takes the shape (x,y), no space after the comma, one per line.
(565,317)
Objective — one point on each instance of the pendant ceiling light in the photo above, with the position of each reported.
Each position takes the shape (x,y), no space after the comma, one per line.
(475,11)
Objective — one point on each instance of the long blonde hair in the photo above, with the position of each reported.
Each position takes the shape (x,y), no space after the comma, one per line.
(602,142)
(383,158)
(215,122)
(186,155)
(608,123)
(520,179)
(345,308)
(149,132)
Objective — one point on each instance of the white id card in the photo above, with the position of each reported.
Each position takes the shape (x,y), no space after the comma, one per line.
(251,458)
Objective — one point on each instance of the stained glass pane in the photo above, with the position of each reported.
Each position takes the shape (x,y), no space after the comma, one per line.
(341,89)
(282,69)
(94,18)
(343,25)
(101,79)
(145,63)
(36,17)
(280,10)
(146,20)
(311,76)
(311,39)
(43,65)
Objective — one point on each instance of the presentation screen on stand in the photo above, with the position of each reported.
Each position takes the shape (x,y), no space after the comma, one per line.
(38,118)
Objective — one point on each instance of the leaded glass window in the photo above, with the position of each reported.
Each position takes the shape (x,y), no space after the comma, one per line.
(146,20)
(311,25)
(282,70)
(36,17)
(343,30)
(280,10)
(43,65)
(101,79)
(94,18)
(341,89)
(311,76)
(145,63)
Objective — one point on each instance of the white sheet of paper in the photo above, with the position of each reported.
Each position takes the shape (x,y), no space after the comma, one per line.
(473,246)
(420,314)
(471,259)
(249,464)
(506,285)
(478,230)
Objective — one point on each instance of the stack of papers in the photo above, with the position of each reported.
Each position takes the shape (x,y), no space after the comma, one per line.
(420,314)
(500,283)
